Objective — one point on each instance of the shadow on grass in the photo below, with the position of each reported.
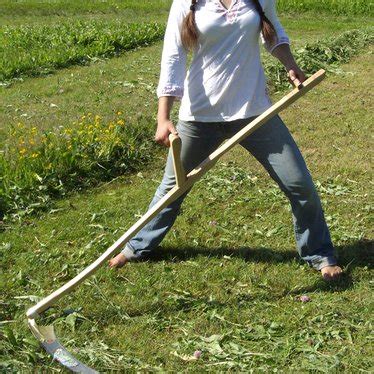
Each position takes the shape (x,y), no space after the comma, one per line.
(350,256)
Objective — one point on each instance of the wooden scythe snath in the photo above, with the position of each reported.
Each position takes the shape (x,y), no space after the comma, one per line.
(45,334)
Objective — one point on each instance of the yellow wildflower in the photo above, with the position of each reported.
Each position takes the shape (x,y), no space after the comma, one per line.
(35,155)
(119,113)
(22,151)
(121,122)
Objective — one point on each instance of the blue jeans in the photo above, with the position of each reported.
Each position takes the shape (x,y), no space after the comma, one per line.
(273,146)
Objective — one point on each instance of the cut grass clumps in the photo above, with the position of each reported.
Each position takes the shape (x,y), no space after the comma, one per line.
(34,167)
(36,50)
(338,7)
(326,54)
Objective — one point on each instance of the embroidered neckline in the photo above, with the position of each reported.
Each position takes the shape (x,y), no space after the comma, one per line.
(224,6)
(232,11)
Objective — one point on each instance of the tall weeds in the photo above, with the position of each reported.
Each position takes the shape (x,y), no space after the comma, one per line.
(35,167)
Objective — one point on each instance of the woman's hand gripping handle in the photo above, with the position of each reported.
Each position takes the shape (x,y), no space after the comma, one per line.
(165,126)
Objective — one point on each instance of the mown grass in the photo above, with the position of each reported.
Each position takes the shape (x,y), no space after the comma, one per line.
(122,84)
(82,154)
(39,50)
(226,280)
(341,7)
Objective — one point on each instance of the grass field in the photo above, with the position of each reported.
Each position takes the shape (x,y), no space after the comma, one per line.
(227,279)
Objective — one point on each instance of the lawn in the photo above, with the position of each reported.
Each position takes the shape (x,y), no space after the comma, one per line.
(227,280)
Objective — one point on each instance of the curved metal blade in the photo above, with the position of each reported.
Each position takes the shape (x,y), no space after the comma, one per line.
(49,341)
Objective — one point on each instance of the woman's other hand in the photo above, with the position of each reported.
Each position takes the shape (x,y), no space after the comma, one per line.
(164,129)
(296,76)
(283,53)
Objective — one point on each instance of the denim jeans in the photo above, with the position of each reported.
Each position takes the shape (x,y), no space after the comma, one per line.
(273,146)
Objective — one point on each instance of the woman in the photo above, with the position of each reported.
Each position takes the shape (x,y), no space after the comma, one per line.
(223,90)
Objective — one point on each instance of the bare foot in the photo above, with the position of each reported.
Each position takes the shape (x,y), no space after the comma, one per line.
(118,261)
(331,272)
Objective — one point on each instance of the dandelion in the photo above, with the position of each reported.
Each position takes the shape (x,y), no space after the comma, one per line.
(119,113)
(22,151)
(121,122)
(35,155)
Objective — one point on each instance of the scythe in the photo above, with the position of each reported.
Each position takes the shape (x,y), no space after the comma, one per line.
(45,334)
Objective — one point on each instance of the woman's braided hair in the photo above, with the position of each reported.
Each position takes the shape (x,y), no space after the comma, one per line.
(189,34)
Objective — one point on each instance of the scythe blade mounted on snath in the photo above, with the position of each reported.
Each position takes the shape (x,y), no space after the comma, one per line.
(45,334)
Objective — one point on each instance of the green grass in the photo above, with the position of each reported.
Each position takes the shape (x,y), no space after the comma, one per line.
(89,151)
(227,279)
(341,7)
(67,7)
(326,54)
(32,12)
(38,50)
(123,83)
(37,167)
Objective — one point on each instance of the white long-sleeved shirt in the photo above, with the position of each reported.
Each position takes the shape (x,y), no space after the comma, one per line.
(225,80)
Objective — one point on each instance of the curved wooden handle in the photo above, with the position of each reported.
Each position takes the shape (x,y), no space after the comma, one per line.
(176,146)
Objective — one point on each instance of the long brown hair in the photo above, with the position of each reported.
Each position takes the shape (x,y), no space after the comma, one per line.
(189,33)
